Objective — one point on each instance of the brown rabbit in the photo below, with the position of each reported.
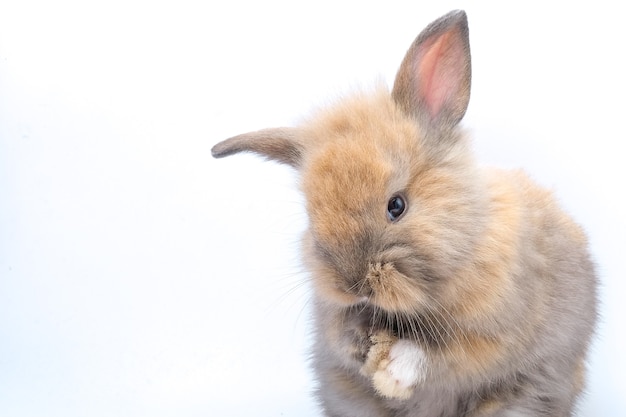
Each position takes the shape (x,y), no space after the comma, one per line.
(441,288)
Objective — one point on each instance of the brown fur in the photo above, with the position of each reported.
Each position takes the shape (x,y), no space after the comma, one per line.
(483,288)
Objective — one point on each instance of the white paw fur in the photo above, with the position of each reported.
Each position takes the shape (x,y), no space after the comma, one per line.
(401,371)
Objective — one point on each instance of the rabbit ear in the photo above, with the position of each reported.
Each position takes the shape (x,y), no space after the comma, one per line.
(278,144)
(433,82)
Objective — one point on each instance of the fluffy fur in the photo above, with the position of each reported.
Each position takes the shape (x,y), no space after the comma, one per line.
(479,301)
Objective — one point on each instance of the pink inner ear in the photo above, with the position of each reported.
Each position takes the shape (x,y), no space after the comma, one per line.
(438,79)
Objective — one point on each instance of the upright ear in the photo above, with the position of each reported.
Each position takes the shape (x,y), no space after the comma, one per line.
(277,144)
(433,82)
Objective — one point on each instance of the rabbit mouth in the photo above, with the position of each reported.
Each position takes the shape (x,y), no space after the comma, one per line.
(393,278)
(428,328)
(385,285)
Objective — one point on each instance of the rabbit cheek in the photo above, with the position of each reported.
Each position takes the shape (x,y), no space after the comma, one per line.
(332,287)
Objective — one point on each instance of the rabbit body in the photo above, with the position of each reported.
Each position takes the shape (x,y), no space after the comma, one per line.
(441,288)
(493,281)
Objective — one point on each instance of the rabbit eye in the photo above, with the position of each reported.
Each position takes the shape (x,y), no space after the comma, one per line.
(396,207)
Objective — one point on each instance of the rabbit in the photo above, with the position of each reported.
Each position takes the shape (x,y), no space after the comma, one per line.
(440,287)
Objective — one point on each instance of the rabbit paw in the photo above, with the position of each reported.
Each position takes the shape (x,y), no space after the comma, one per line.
(395,366)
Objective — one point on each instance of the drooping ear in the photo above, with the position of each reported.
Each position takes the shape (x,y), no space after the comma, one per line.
(433,82)
(277,144)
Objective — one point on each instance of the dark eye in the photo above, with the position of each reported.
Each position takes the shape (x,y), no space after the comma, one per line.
(396,207)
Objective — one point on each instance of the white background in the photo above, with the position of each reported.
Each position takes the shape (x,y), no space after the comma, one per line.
(139,276)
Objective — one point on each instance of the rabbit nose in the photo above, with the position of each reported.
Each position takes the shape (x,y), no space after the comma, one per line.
(372,276)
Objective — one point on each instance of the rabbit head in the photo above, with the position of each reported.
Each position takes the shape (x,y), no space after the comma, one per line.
(394,200)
